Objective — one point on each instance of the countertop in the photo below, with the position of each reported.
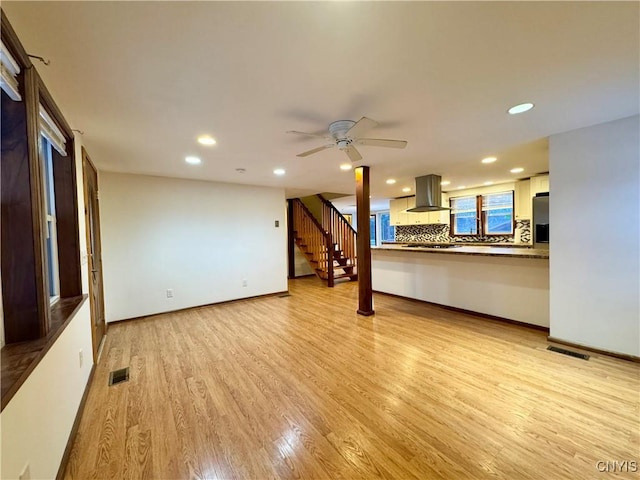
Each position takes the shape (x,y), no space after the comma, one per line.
(488,251)
(464,244)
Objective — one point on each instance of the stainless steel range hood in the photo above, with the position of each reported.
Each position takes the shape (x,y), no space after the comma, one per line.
(428,194)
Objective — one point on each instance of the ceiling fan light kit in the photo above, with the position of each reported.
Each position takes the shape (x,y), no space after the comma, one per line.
(345,134)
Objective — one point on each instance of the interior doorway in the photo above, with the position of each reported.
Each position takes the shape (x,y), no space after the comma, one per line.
(94,253)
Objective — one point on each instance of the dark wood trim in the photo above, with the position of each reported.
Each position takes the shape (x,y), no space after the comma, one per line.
(52,109)
(363,242)
(291,255)
(206,305)
(469,312)
(76,425)
(19,290)
(11,41)
(623,356)
(38,217)
(20,359)
(65,185)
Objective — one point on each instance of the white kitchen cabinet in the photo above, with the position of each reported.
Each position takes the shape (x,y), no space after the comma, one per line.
(539,184)
(397,211)
(398,214)
(416,218)
(522,199)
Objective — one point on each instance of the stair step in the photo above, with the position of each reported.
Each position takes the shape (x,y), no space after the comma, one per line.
(352,276)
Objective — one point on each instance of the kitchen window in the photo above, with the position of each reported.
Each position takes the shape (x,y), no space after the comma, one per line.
(482,215)
(372,230)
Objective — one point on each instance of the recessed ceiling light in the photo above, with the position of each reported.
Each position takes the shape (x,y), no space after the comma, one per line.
(488,183)
(346,166)
(391,181)
(489,160)
(206,140)
(279,171)
(523,107)
(193,160)
(461,187)
(445,183)
(517,170)
(406,189)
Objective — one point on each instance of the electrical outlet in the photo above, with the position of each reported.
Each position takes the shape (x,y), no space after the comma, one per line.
(277,223)
(170,293)
(81,357)
(244,282)
(26,473)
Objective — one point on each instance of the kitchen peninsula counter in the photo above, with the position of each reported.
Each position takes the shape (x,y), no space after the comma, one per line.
(488,250)
(506,282)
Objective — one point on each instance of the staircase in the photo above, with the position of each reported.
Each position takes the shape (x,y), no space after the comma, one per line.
(328,242)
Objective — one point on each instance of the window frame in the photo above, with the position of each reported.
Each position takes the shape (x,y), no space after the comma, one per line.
(481,216)
(373,239)
(51,228)
(31,325)
(484,218)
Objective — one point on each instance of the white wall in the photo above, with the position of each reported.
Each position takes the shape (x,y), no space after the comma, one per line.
(508,287)
(301,266)
(201,239)
(54,389)
(594,236)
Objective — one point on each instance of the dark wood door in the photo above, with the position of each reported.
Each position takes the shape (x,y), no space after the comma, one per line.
(94,251)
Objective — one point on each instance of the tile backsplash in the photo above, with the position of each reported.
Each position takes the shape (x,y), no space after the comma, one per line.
(439,233)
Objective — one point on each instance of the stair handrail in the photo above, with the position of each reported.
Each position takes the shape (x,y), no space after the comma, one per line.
(310,215)
(341,231)
(332,206)
(325,234)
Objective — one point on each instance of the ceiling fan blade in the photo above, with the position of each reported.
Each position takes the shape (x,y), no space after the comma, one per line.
(353,153)
(360,127)
(308,134)
(380,142)
(315,150)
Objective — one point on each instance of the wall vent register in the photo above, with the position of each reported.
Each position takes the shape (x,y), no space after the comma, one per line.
(119,376)
(583,356)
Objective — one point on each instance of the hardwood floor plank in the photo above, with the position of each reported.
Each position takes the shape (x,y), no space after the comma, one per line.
(302,387)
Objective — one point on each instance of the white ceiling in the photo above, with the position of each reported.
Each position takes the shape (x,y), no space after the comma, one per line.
(144,79)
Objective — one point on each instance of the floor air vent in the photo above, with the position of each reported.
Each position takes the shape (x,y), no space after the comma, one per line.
(568,352)
(119,376)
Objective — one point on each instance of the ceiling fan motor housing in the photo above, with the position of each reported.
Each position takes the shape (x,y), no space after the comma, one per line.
(339,129)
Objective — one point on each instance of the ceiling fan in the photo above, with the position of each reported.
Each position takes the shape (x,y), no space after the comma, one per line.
(345,135)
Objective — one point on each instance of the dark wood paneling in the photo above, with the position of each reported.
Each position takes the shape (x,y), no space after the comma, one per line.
(365,291)
(36,182)
(19,289)
(64,177)
(291,258)
(47,101)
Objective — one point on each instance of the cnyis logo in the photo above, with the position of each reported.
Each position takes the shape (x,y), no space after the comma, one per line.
(623,466)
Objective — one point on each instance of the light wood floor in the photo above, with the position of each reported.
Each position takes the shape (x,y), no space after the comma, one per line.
(302,387)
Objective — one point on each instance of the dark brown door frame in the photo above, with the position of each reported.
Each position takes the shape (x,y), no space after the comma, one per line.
(92,219)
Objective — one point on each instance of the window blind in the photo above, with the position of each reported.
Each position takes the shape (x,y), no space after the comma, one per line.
(9,70)
(52,132)
(497,201)
(463,205)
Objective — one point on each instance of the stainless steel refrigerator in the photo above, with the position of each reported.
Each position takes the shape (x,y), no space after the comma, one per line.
(541,220)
